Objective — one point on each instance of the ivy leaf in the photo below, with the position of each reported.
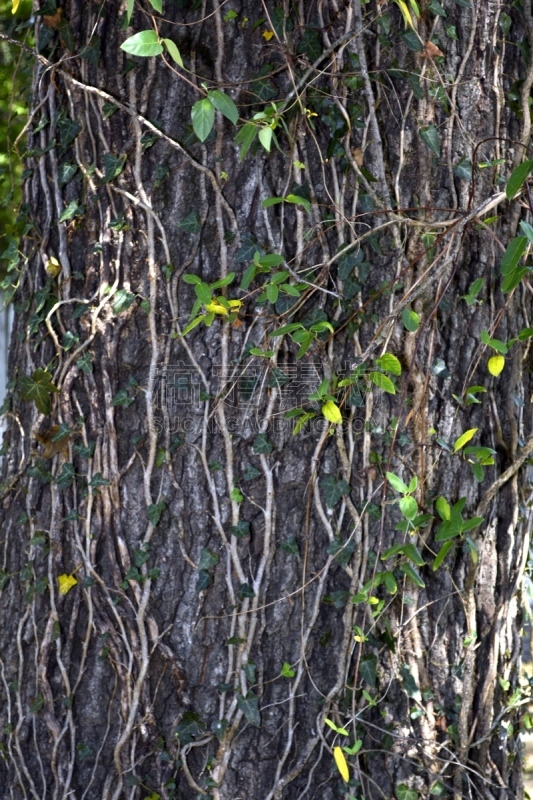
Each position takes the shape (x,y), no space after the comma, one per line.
(207,559)
(74,209)
(404,793)
(223,103)
(430,136)
(249,706)
(517,179)
(38,388)
(191,224)
(66,582)
(241,529)
(190,727)
(203,118)
(155,511)
(367,669)
(122,300)
(514,252)
(144,43)
(261,444)
(113,166)
(173,52)
(64,480)
(333,490)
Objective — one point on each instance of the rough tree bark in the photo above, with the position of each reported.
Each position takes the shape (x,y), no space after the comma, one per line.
(222,608)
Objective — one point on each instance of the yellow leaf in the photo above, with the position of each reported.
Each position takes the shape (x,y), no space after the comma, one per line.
(15,6)
(402,5)
(66,582)
(340,761)
(53,267)
(267,35)
(495,365)
(332,412)
(463,439)
(216,307)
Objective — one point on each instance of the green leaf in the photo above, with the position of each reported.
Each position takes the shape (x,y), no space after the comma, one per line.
(113,166)
(333,490)
(464,438)
(155,511)
(390,582)
(287,671)
(367,670)
(190,727)
(129,11)
(272,292)
(38,388)
(74,209)
(412,552)
(404,793)
(249,706)
(302,201)
(292,326)
(512,280)
(67,171)
(207,559)
(413,575)
(397,483)
(443,552)
(265,137)
(241,529)
(271,201)
(518,178)
(173,51)
(382,382)
(389,363)
(409,507)
(261,445)
(410,319)
(225,105)
(203,292)
(122,301)
(443,508)
(430,136)
(157,5)
(203,118)
(193,324)
(191,224)
(122,398)
(245,138)
(65,479)
(514,252)
(144,43)
(527,229)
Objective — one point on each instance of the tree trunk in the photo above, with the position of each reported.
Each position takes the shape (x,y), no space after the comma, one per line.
(190,588)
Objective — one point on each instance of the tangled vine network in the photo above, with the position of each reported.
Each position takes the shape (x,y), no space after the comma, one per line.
(266,505)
